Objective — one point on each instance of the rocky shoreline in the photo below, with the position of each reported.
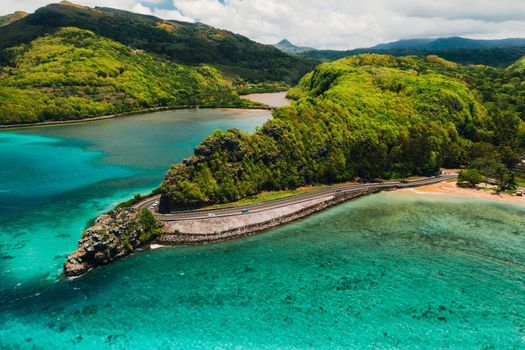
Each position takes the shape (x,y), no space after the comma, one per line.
(112,237)
(124,231)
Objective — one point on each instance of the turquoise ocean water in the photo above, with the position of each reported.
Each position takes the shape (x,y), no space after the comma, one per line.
(394,270)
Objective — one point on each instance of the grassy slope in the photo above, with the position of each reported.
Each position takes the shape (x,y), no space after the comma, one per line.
(8,19)
(367,116)
(74,74)
(182,42)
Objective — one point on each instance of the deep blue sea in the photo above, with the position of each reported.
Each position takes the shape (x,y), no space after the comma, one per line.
(389,271)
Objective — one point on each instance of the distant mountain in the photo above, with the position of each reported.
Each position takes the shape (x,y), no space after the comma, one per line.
(187,43)
(8,19)
(449,44)
(498,53)
(496,57)
(289,48)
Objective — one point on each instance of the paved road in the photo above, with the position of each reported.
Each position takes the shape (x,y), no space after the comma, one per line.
(296,199)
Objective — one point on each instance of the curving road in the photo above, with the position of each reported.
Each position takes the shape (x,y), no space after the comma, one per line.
(327,192)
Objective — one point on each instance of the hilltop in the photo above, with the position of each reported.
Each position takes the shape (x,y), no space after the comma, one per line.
(184,43)
(73,74)
(67,61)
(8,19)
(450,44)
(497,53)
(519,66)
(287,47)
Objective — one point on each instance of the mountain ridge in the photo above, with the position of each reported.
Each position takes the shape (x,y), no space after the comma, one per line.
(12,17)
(287,47)
(449,43)
(182,42)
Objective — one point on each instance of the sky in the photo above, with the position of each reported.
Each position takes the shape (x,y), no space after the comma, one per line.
(330,24)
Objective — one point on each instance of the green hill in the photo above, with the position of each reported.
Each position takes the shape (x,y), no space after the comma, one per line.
(450,44)
(287,47)
(185,43)
(74,73)
(496,53)
(491,56)
(368,116)
(8,19)
(519,66)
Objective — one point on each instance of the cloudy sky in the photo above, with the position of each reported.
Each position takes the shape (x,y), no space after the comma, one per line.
(334,24)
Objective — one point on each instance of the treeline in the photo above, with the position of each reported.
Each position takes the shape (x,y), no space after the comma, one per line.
(74,74)
(494,56)
(366,117)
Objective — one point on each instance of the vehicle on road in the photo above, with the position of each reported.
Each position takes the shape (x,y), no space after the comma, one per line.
(246,211)
(211,215)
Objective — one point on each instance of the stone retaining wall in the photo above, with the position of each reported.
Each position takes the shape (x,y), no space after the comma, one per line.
(211,237)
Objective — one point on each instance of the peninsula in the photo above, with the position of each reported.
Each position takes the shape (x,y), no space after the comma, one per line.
(366,117)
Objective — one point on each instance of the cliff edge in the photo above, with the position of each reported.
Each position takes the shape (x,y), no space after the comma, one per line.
(112,237)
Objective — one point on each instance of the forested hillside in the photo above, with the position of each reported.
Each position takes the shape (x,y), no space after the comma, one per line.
(8,19)
(450,43)
(518,67)
(186,43)
(74,73)
(368,117)
(494,56)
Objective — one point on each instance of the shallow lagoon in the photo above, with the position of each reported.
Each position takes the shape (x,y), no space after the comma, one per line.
(394,270)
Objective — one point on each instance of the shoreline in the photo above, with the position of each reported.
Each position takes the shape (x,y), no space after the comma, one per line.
(212,230)
(128,114)
(449,188)
(177,239)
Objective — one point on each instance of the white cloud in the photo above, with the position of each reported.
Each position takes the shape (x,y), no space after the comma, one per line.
(139,8)
(332,23)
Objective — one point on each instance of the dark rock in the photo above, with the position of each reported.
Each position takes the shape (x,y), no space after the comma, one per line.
(113,236)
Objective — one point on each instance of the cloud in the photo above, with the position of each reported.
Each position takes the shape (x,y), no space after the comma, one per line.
(350,23)
(336,24)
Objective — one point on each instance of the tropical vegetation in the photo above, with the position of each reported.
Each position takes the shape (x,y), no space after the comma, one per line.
(363,117)
(181,42)
(74,74)
(490,56)
(68,62)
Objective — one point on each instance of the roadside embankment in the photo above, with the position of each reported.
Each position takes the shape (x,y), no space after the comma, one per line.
(124,231)
(209,230)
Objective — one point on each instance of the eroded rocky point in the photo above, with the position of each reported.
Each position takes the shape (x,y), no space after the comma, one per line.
(112,237)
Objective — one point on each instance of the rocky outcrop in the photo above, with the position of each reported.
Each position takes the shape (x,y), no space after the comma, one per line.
(112,237)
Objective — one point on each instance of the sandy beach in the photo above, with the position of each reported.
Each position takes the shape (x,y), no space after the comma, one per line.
(450,188)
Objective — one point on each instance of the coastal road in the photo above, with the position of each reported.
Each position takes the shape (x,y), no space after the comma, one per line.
(326,192)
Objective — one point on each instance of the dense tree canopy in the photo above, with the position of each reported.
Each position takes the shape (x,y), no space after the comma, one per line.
(368,116)
(181,42)
(73,74)
(490,56)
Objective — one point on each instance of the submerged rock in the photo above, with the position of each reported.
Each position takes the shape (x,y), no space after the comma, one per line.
(112,237)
